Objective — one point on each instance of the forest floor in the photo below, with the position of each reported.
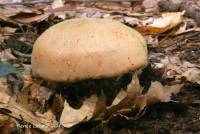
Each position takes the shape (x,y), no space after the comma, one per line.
(173,41)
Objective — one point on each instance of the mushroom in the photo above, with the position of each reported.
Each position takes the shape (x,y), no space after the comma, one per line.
(87,48)
(88,56)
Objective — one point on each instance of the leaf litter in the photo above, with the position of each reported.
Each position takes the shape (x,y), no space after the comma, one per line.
(160,25)
(172,68)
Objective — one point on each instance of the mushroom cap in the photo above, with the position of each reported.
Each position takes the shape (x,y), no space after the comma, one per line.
(88,48)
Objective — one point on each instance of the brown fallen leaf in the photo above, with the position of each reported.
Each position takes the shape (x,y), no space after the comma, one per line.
(33,96)
(4,86)
(115,6)
(141,104)
(197,29)
(22,14)
(58,131)
(160,25)
(3,118)
(71,116)
(156,93)
(58,4)
(183,29)
(192,75)
(8,126)
(45,122)
(100,107)
(190,6)
(159,93)
(5,92)
(151,6)
(133,21)
(4,98)
(120,96)
(6,30)
(176,68)
(31,18)
(68,7)
(16,9)
(7,55)
(136,6)
(125,100)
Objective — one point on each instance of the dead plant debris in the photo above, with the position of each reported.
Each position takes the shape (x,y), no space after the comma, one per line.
(164,99)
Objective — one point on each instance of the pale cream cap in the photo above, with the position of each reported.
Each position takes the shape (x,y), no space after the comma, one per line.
(88,48)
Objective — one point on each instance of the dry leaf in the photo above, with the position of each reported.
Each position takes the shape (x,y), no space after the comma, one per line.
(5,92)
(22,14)
(58,131)
(58,4)
(192,75)
(100,107)
(124,101)
(32,18)
(8,126)
(159,93)
(71,116)
(115,6)
(132,98)
(175,68)
(183,31)
(141,103)
(120,96)
(33,96)
(15,10)
(45,122)
(4,86)
(7,55)
(156,93)
(151,5)
(162,24)
(4,98)
(7,30)
(133,21)
(10,2)
(3,118)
